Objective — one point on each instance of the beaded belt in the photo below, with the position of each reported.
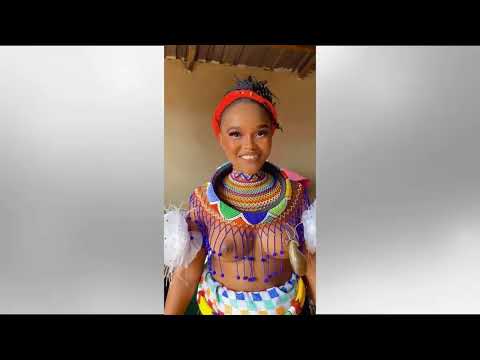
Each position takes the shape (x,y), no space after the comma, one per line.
(215,299)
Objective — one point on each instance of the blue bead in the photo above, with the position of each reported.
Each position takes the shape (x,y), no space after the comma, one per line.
(265,280)
(263,259)
(239,296)
(274,254)
(256,296)
(282,252)
(219,254)
(273,293)
(251,258)
(252,279)
(245,278)
(222,275)
(214,272)
(191,237)
(238,277)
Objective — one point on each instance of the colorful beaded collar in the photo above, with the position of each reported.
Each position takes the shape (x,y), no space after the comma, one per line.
(228,213)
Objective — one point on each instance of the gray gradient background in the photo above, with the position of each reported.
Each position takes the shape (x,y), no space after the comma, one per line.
(398,141)
(81,189)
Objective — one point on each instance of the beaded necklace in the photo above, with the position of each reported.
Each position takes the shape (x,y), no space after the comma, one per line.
(216,220)
(257,192)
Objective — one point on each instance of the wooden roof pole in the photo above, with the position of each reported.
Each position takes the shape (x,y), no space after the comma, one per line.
(303,71)
(302,48)
(191,56)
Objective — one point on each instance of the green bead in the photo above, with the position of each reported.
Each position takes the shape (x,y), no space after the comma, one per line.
(227,211)
(278,210)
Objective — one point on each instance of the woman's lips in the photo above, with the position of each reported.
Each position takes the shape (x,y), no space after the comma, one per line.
(249,157)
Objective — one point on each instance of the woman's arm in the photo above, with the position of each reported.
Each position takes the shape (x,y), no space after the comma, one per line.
(187,266)
(183,285)
(310,276)
(309,222)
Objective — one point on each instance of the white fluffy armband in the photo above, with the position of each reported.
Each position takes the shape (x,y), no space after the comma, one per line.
(310,227)
(181,246)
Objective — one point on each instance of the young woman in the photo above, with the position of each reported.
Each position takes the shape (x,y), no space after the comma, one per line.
(246,245)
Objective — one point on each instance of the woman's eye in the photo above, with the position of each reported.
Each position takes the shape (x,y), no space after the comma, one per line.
(234,134)
(262,133)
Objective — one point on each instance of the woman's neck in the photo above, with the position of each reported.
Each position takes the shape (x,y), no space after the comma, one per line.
(245,192)
(243,177)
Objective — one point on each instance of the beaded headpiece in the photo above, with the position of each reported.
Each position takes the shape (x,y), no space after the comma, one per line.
(248,89)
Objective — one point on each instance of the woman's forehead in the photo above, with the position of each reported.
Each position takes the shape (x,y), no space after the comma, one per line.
(245,115)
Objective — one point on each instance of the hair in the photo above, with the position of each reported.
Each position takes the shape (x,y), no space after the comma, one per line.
(252,84)
(258,87)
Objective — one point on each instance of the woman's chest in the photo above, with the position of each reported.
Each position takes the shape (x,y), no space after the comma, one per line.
(234,243)
(233,238)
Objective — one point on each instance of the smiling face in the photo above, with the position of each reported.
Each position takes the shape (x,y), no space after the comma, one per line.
(246,136)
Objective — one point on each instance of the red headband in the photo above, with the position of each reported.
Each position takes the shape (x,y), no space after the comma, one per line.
(238,94)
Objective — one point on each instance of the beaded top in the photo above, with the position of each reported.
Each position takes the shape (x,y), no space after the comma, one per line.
(231,233)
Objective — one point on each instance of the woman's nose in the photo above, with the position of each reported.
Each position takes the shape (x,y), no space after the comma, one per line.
(249,142)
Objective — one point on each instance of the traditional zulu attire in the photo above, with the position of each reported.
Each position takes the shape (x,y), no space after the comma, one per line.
(263,219)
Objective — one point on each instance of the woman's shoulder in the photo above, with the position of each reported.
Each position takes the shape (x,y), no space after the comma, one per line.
(200,191)
(298,192)
(295,177)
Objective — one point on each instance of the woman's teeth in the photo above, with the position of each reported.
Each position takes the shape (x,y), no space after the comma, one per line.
(249,157)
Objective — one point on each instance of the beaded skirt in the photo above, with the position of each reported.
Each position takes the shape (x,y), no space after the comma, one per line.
(215,299)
